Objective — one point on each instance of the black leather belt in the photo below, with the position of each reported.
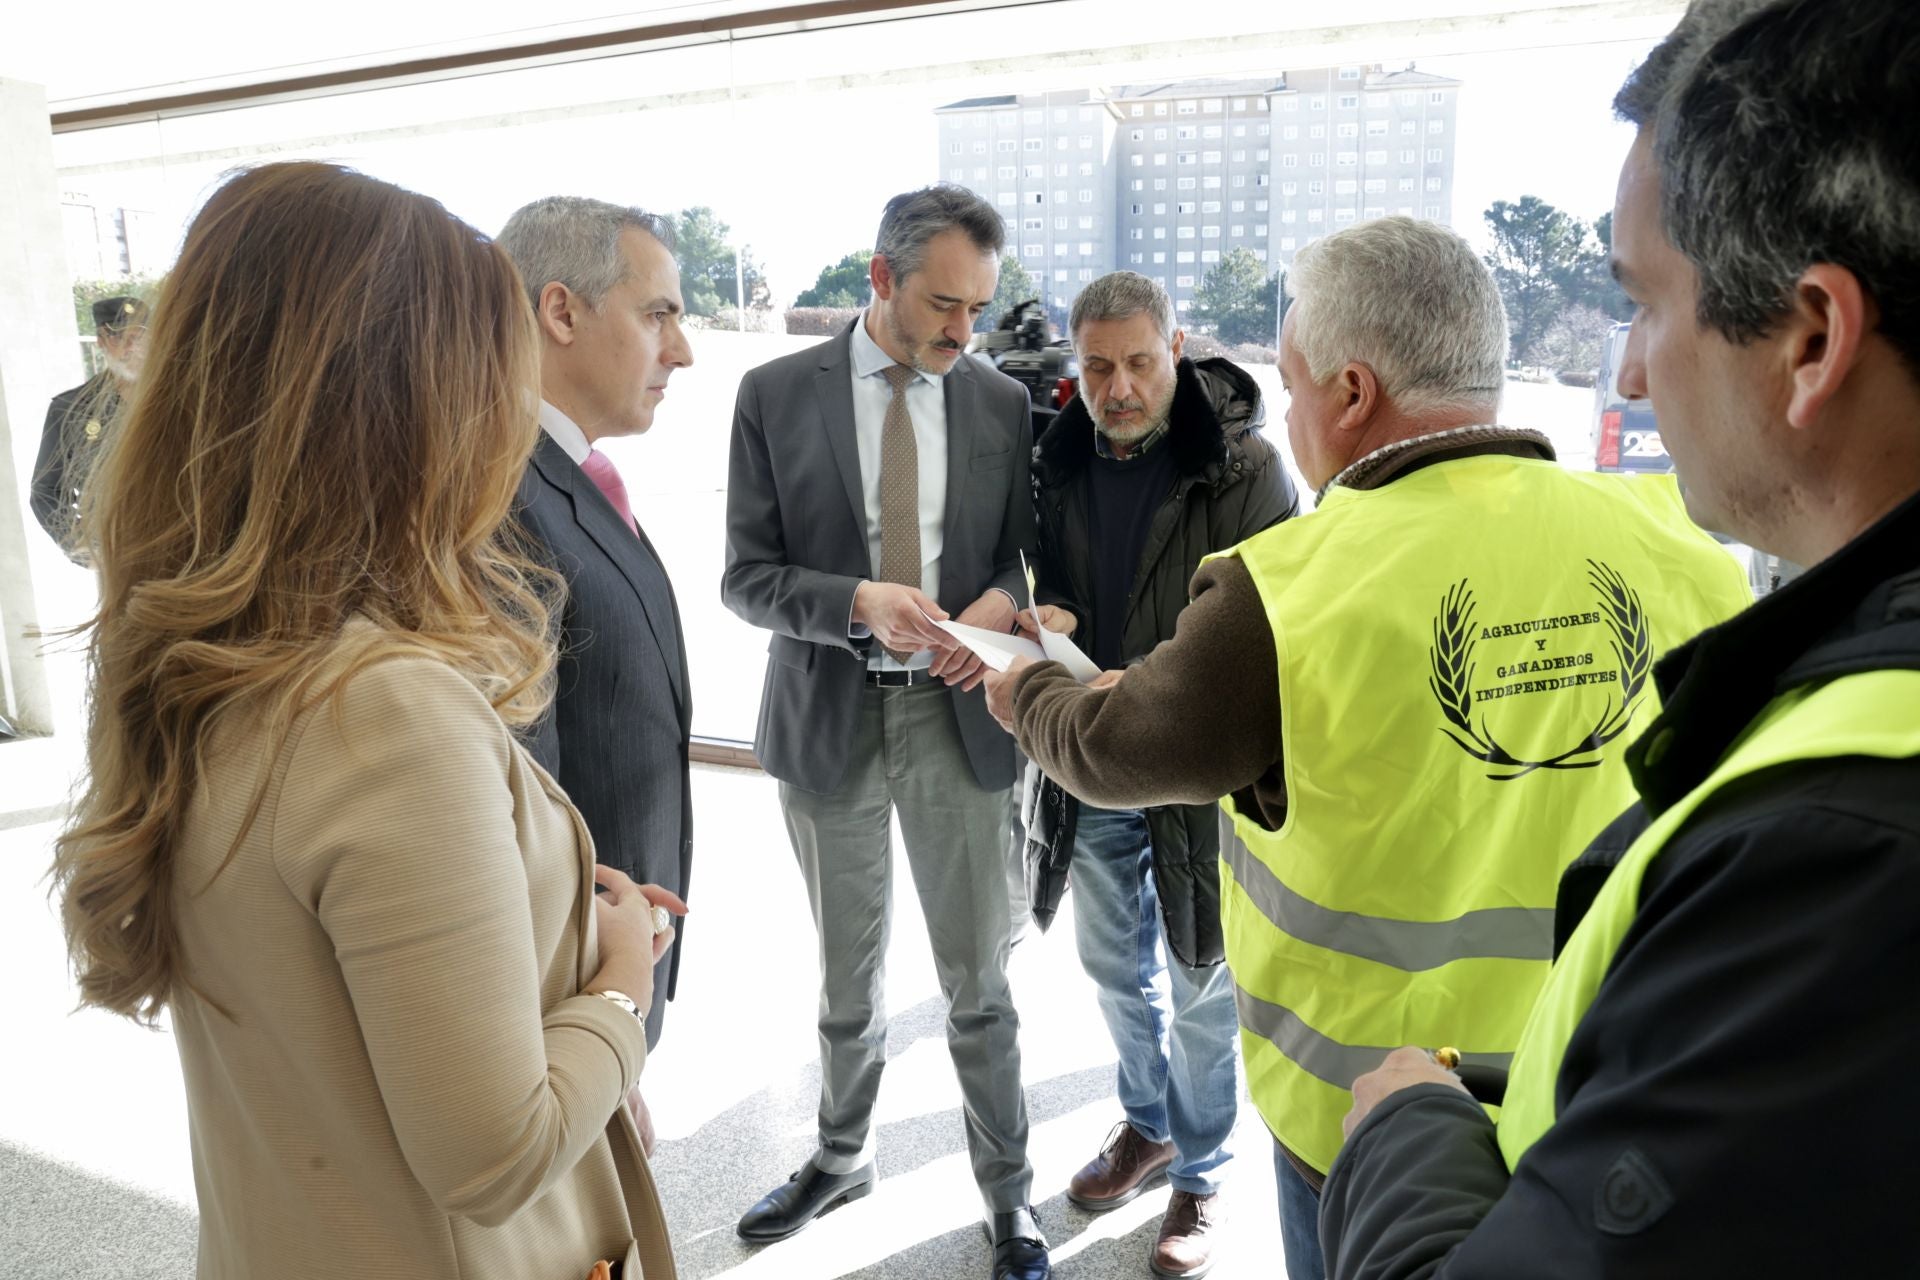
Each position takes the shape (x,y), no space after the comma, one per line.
(898,679)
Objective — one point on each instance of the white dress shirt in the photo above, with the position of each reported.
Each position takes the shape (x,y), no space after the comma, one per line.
(927,404)
(566,433)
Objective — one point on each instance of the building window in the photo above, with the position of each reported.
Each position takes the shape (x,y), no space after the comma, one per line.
(1137,135)
(1376,185)
(1160,109)
(1139,209)
(1185,282)
(1138,159)
(1318,131)
(1406,184)
(1059,275)
(1008,144)
(1318,159)
(1210,206)
(1289,104)
(1343,215)
(1259,206)
(1433,213)
(1316,104)
(1062,142)
(1291,132)
(1349,73)
(1186,233)
(1188,106)
(1039,197)
(1240,180)
(1086,169)
(1006,197)
(953,148)
(1032,250)
(1239,131)
(980,147)
(1159,233)
(1086,195)
(1317,187)
(1264,130)
(1159,157)
(1086,274)
(1349,158)
(1433,184)
(1061,115)
(1375,211)
(1212,131)
(1240,206)
(1436,126)
(1210,232)
(1289,161)
(1209,255)
(1240,155)
(1288,244)
(1316,215)
(1034,224)
(1409,99)
(1184,257)
(1376,157)
(1032,144)
(1086,114)
(1060,224)
(1376,128)
(1239,104)
(1136,233)
(1349,101)
(979,175)
(1186,132)
(954,122)
(1086,248)
(1086,222)
(1136,259)
(1086,140)
(1139,184)
(957,175)
(1136,110)
(1060,170)
(1159,184)
(1409,157)
(1260,252)
(1159,208)
(1185,184)
(1185,206)
(1006,173)
(1289,217)
(1239,230)
(1436,154)
(1345,187)
(1209,157)
(1375,101)
(1210,105)
(1188,157)
(1437,97)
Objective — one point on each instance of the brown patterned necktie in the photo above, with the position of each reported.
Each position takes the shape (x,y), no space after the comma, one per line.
(899,490)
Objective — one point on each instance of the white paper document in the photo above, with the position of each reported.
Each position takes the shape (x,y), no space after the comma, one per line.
(998,650)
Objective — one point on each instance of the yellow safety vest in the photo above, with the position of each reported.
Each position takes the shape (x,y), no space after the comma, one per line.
(1875,713)
(1464,655)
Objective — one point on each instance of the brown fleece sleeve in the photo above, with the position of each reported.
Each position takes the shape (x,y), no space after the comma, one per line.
(1196,719)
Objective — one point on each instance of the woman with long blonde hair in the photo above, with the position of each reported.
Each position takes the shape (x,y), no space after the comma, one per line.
(308,834)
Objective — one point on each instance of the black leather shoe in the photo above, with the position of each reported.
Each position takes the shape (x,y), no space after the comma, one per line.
(1019,1250)
(807,1194)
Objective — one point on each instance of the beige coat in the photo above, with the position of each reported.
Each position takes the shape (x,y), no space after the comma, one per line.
(389,1069)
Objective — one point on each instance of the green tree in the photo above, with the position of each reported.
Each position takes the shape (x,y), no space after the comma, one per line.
(1015,287)
(1597,287)
(1239,299)
(1543,259)
(707,277)
(844,284)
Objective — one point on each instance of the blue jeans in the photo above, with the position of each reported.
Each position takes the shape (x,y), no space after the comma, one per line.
(1174,1028)
(1299,1221)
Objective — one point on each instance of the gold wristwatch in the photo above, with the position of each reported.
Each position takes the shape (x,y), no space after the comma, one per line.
(624,1001)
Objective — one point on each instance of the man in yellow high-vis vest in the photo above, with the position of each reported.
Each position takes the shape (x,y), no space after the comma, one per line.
(1416,699)
(1718,1077)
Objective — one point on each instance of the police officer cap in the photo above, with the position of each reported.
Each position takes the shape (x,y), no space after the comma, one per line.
(115,314)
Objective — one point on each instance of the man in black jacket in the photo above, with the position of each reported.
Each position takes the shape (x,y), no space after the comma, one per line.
(606,294)
(1155,464)
(78,418)
(1717,1079)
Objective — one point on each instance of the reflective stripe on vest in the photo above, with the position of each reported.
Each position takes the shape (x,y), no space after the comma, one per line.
(1875,713)
(1463,656)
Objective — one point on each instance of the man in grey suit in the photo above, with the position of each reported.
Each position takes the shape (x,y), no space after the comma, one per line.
(878,482)
(606,294)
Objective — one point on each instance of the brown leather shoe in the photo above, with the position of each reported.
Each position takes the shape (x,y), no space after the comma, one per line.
(1121,1170)
(1184,1250)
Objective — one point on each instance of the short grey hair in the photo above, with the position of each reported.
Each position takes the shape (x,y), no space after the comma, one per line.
(1413,302)
(913,218)
(1784,140)
(576,241)
(1673,59)
(1121,295)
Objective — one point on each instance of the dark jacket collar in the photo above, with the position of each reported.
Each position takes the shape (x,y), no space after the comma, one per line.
(1857,611)
(1215,403)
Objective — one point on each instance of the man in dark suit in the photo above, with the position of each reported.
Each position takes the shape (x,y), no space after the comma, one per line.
(877,482)
(78,418)
(606,293)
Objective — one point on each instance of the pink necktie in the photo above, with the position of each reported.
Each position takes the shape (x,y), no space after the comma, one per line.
(606,478)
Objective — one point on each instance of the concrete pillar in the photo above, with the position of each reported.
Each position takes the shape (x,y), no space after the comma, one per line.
(38,357)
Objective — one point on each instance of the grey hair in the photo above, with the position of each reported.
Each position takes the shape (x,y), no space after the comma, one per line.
(913,218)
(1673,59)
(576,241)
(1413,302)
(1120,295)
(1786,143)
